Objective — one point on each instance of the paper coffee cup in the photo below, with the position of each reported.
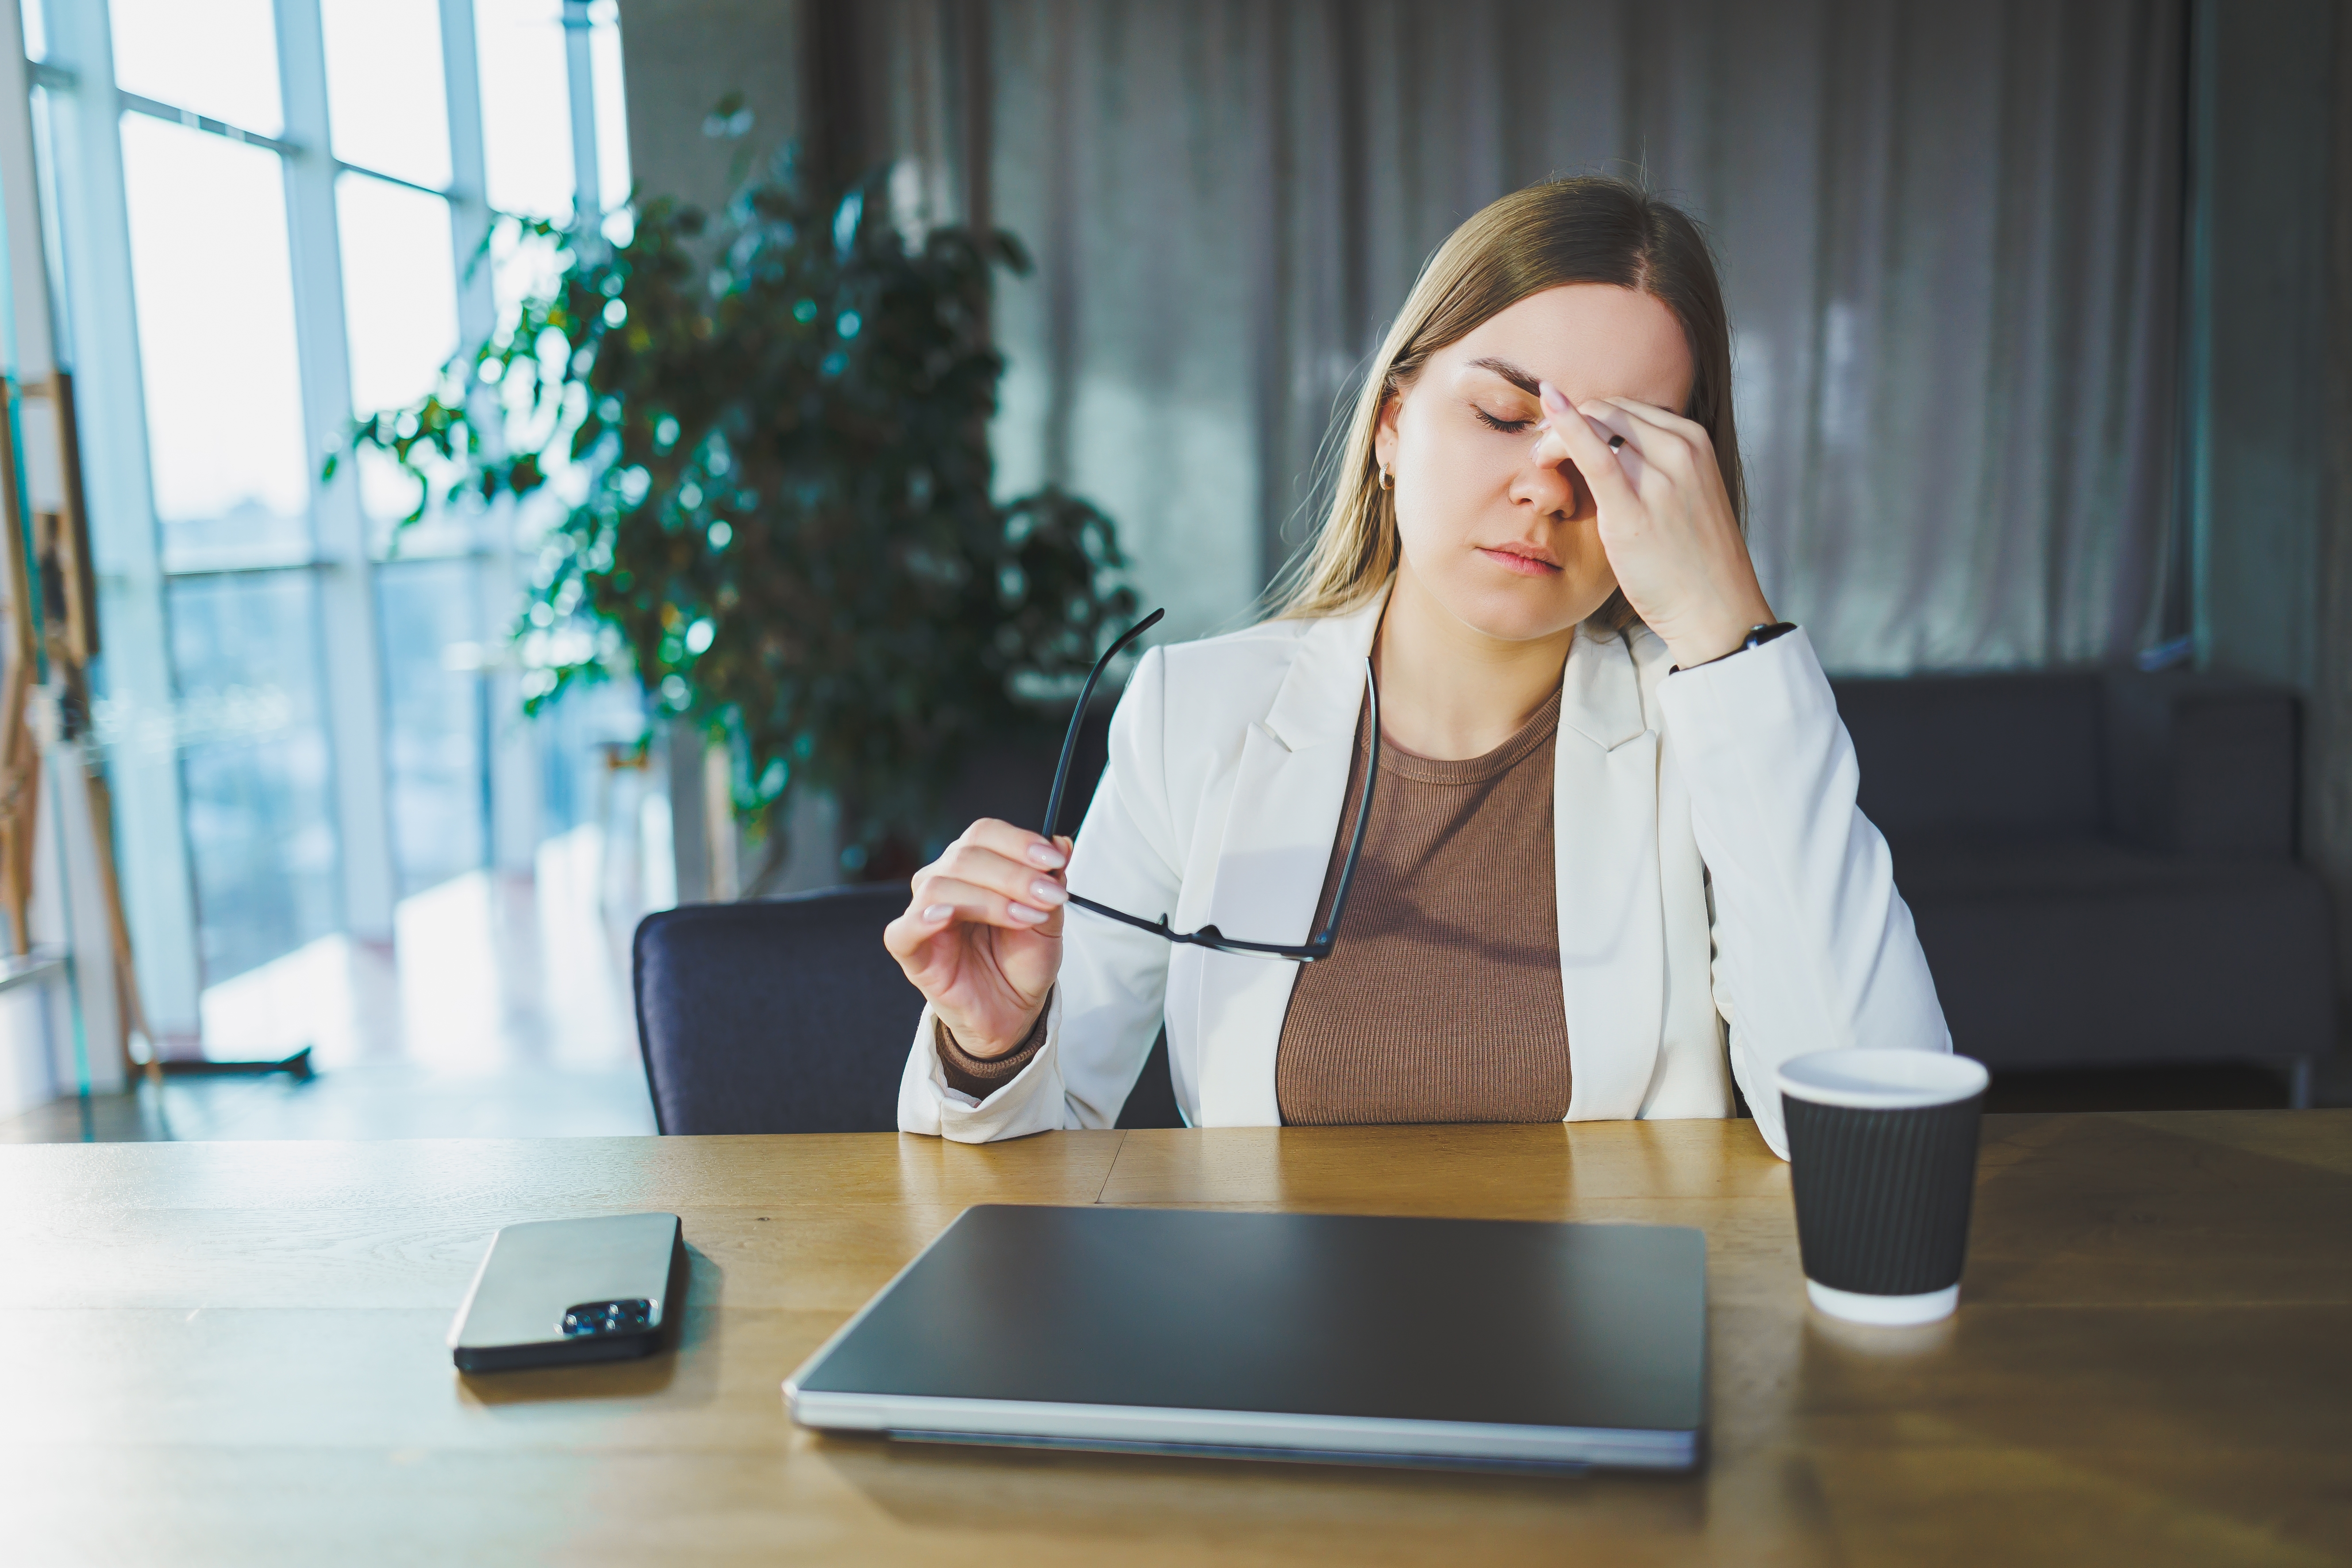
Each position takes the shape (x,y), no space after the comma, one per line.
(1882,1159)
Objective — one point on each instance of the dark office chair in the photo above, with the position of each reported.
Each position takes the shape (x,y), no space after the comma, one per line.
(786,1016)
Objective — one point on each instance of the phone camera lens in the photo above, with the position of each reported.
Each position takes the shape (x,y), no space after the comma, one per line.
(590,1318)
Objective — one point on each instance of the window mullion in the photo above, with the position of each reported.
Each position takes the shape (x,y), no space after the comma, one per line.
(469,213)
(580,75)
(350,650)
(143,766)
(514,757)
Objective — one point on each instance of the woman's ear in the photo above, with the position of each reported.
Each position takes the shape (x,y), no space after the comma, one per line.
(1384,432)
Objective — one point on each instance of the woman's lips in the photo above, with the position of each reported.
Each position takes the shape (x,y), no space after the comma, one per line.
(1524,566)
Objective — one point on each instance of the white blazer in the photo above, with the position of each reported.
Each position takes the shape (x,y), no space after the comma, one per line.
(1723,904)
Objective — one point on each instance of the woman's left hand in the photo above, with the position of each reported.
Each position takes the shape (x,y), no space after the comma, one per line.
(1666,521)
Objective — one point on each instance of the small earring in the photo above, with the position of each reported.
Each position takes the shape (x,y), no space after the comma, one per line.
(1388,479)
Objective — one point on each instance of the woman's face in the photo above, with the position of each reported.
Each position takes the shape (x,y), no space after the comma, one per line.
(1509,547)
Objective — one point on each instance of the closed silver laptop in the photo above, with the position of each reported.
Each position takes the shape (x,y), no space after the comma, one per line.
(1488,1344)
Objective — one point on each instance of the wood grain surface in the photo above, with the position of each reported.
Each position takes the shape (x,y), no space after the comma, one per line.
(233,1353)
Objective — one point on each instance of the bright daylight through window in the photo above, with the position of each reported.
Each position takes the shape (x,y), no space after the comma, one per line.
(306,710)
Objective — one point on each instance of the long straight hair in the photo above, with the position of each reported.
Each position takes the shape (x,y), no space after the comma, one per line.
(1587,229)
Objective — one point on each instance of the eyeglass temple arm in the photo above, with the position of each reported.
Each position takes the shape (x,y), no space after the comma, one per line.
(1078,718)
(1320,942)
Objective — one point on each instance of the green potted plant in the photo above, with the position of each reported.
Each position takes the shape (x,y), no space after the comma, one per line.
(775,425)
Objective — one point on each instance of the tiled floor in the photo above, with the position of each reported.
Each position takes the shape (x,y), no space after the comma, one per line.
(500,1009)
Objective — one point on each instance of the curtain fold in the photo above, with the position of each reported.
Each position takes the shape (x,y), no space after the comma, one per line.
(1950,239)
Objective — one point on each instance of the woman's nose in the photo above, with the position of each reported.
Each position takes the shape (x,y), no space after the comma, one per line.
(1552,488)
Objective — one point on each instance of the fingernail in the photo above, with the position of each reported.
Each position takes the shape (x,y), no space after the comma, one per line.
(1551,394)
(935,913)
(1046,892)
(1046,854)
(1024,914)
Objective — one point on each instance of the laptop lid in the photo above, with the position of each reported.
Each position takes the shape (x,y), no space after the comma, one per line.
(1298,1336)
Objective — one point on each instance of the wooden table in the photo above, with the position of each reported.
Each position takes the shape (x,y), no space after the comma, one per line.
(222,1353)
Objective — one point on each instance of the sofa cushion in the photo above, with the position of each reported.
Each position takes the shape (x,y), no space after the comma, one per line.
(2074,951)
(2203,763)
(1979,753)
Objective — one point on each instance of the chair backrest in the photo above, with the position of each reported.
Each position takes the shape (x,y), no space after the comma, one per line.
(779,1015)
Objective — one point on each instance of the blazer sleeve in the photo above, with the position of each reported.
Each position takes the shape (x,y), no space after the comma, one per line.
(1814,949)
(1107,1003)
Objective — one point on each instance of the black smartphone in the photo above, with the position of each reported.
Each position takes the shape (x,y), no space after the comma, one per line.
(560,1292)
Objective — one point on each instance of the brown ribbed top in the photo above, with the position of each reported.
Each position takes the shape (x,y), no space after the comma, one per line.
(1441,1000)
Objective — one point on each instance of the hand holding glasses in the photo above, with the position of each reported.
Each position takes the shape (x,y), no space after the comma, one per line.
(981,936)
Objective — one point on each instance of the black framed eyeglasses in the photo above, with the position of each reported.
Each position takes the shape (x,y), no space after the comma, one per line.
(1209,936)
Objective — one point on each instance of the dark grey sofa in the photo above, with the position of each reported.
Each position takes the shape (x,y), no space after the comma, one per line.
(2103,864)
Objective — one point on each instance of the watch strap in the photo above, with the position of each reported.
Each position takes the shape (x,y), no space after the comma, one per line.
(1758,636)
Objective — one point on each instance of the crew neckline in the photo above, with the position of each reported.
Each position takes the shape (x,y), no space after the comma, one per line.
(1540,727)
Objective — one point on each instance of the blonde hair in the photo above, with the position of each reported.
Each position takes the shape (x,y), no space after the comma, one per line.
(1587,229)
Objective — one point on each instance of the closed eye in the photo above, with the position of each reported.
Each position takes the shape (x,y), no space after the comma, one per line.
(1509,426)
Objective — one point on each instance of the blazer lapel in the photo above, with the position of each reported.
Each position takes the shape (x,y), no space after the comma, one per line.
(1612,966)
(1279,830)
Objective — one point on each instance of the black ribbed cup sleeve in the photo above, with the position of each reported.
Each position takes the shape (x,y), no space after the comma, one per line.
(1883,1196)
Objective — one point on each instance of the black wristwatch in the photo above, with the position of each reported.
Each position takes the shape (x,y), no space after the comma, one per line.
(1757,637)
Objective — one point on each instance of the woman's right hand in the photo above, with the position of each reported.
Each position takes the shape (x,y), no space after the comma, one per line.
(981,938)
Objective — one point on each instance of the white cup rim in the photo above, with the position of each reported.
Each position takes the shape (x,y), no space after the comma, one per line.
(1875,1079)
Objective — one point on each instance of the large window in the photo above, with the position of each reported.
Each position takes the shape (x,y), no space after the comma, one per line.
(308,711)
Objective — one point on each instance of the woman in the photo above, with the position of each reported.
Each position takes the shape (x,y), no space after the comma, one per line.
(1613,863)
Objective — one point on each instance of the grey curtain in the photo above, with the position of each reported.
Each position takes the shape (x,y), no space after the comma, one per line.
(1949,237)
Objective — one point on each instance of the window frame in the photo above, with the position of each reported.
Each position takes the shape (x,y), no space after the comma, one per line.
(78,111)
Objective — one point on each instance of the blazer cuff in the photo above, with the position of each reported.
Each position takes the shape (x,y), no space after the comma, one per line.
(1031,1101)
(1760,1087)
(1714,709)
(979,1077)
